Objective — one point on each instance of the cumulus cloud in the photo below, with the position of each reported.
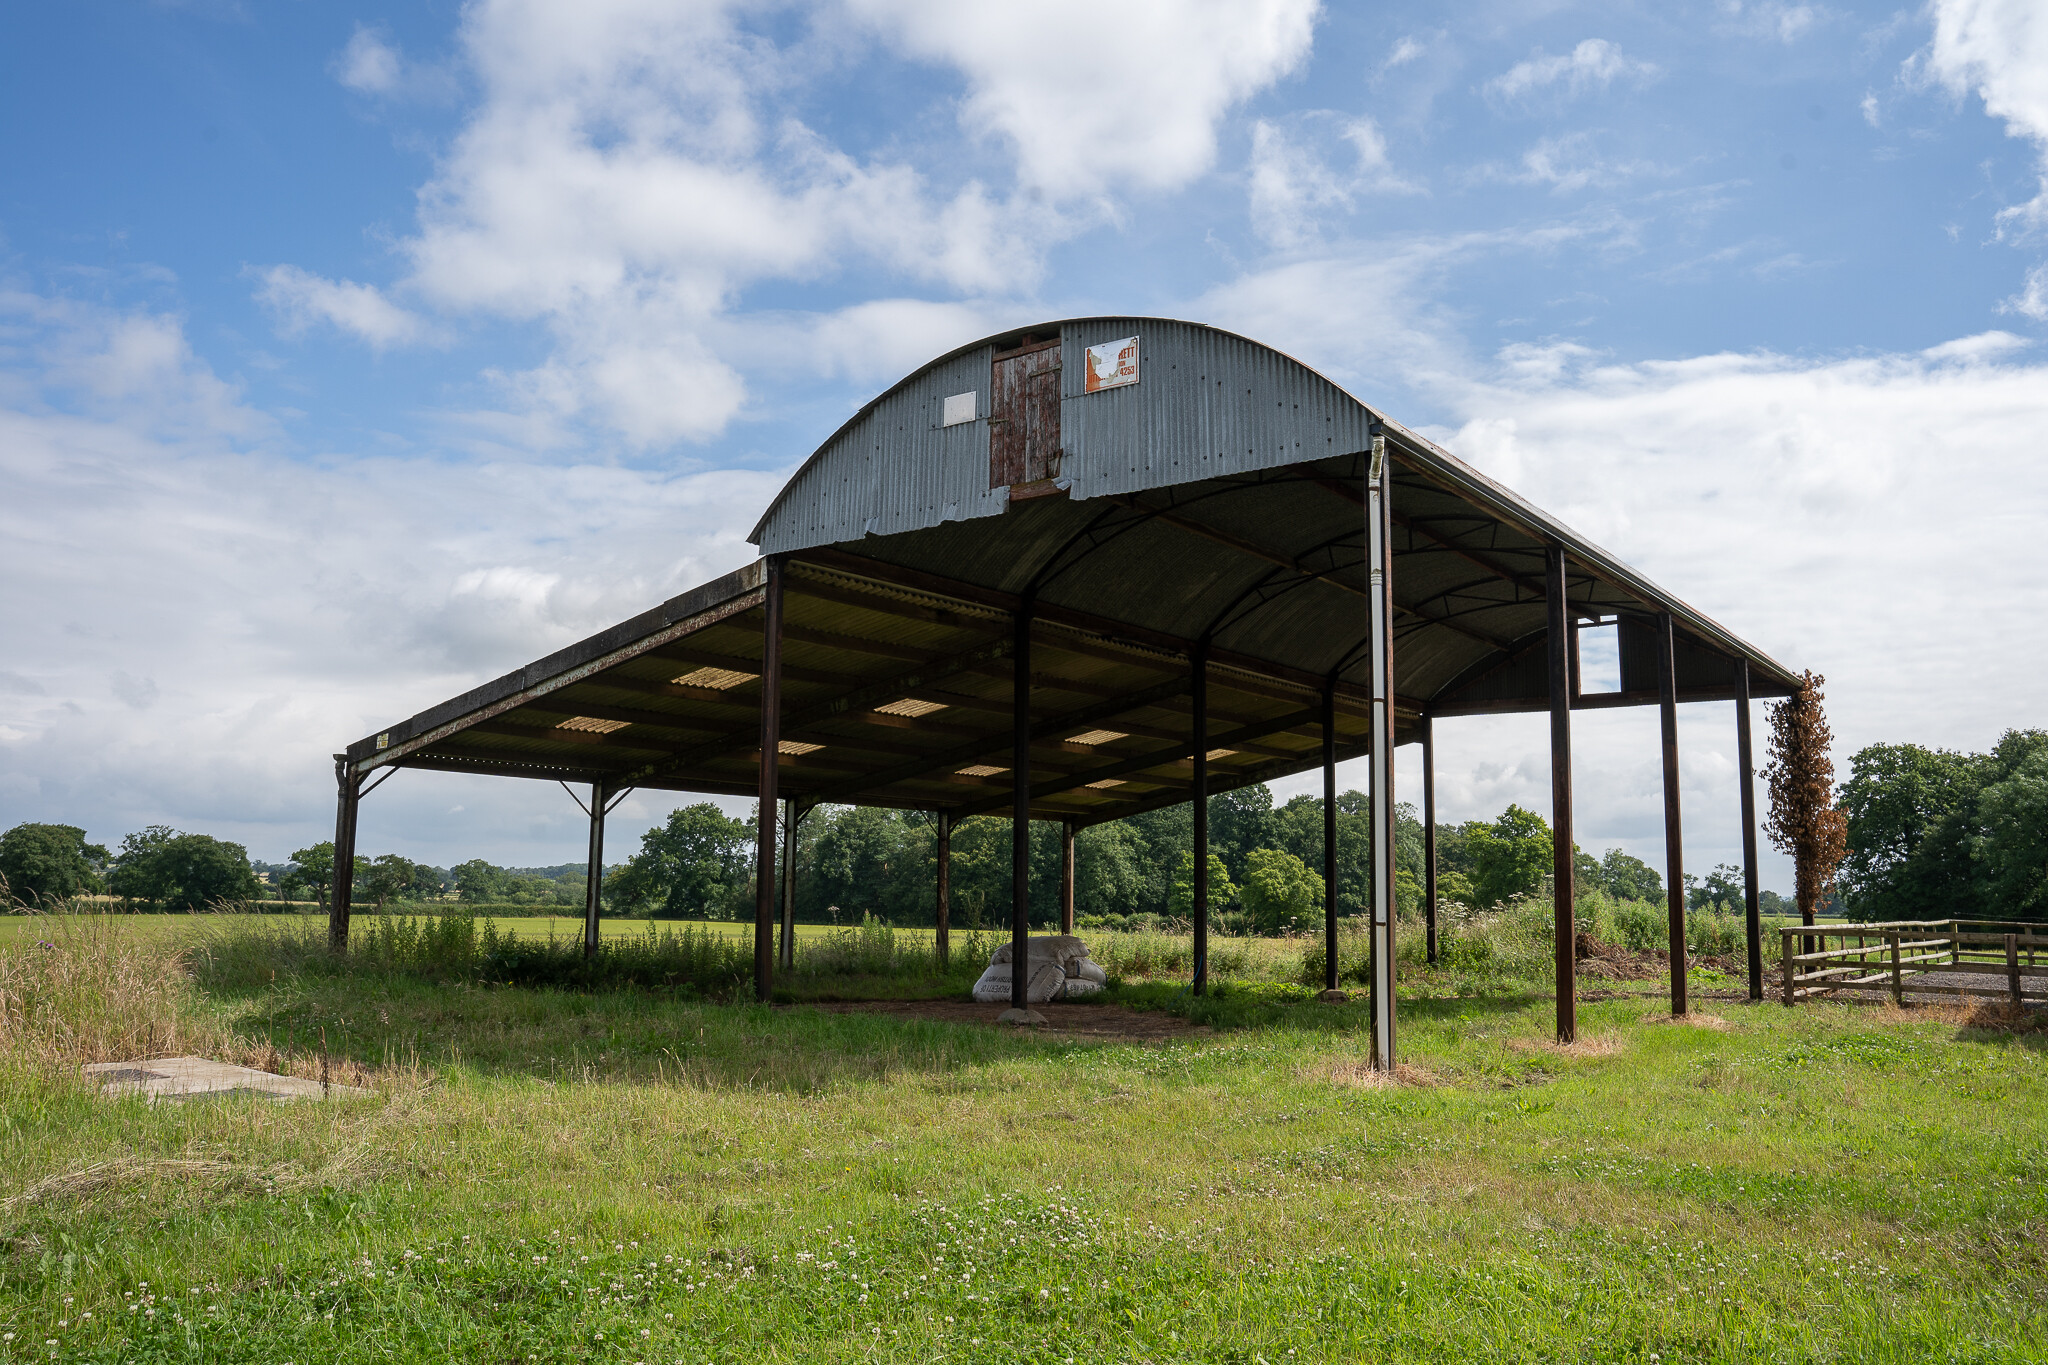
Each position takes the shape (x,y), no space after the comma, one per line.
(369,64)
(302,299)
(1594,64)
(623,177)
(1094,96)
(1998,49)
(1292,184)
(197,619)
(629,169)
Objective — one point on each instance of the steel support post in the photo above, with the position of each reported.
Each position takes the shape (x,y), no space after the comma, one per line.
(1380,556)
(1674,833)
(1562,846)
(1020,814)
(1752,914)
(348,792)
(787,957)
(1198,912)
(593,871)
(942,893)
(1067,877)
(1429,832)
(1330,964)
(766,794)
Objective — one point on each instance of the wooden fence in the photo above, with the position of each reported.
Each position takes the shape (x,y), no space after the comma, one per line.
(1958,957)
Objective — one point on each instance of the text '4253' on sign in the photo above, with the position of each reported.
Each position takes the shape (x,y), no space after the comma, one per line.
(1113,364)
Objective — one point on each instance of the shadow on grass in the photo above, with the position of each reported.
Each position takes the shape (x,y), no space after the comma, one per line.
(622,1036)
(1269,1005)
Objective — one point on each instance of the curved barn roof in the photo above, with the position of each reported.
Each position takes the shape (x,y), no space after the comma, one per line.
(1202,495)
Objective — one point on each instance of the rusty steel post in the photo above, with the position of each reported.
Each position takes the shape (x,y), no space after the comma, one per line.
(1563,909)
(593,870)
(1674,836)
(1429,832)
(1752,912)
(1330,835)
(787,957)
(1020,815)
(1067,877)
(942,893)
(342,880)
(1198,912)
(1379,542)
(766,794)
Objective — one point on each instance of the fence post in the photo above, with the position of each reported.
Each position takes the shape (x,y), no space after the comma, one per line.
(1955,941)
(2012,968)
(1786,961)
(1898,981)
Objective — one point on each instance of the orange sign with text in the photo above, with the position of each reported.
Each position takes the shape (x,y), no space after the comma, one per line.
(1113,364)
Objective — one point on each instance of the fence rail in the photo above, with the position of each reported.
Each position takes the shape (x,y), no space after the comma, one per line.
(1927,957)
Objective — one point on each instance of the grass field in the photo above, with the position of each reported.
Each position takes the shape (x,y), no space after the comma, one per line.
(624,1176)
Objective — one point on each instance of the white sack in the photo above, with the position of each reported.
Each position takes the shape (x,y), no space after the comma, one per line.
(1078,986)
(1087,970)
(1045,983)
(1063,949)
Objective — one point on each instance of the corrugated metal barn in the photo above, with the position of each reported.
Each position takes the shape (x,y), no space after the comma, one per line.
(1087,569)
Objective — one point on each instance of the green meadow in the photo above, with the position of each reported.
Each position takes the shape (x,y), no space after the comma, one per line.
(619,1170)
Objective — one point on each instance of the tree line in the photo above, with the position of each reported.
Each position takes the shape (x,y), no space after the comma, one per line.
(1265,867)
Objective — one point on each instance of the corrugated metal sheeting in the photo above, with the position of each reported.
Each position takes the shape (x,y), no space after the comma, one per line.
(1208,403)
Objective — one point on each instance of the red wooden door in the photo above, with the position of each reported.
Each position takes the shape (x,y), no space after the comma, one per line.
(1024,416)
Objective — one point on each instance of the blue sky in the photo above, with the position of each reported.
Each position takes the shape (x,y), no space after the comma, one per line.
(350,356)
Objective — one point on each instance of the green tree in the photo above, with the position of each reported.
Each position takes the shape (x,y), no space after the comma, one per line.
(1722,887)
(181,871)
(1222,891)
(1934,833)
(1510,856)
(1910,812)
(688,866)
(2011,846)
(1280,892)
(477,881)
(1629,878)
(315,867)
(390,879)
(40,864)
(1240,821)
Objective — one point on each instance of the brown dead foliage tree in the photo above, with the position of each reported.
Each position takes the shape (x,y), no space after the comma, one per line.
(1803,820)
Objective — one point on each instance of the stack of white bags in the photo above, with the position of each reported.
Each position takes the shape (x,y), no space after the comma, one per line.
(1057,968)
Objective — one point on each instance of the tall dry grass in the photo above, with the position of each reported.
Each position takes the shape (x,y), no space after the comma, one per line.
(84,991)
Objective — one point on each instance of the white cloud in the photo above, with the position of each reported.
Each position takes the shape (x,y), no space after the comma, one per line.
(1871,517)
(1870,109)
(629,170)
(196,619)
(1999,49)
(1096,96)
(2032,300)
(1407,50)
(302,298)
(1770,19)
(1292,184)
(620,182)
(1594,64)
(1566,164)
(369,65)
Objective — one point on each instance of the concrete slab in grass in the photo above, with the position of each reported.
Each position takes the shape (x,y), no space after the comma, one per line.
(182,1078)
